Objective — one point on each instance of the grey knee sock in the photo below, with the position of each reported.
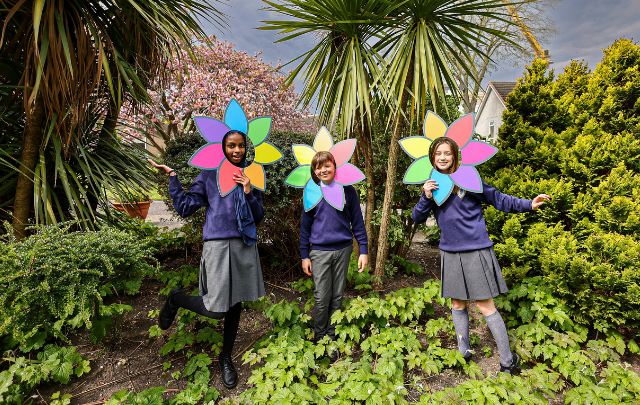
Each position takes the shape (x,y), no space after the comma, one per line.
(461,322)
(499,332)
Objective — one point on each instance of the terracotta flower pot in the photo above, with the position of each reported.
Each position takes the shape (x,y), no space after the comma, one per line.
(135,210)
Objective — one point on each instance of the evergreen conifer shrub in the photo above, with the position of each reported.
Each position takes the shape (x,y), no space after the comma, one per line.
(577,139)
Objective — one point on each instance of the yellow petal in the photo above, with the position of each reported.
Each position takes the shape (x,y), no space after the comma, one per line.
(416,146)
(255,173)
(303,154)
(434,126)
(323,141)
(267,154)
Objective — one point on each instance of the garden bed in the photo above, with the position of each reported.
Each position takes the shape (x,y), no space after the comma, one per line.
(128,359)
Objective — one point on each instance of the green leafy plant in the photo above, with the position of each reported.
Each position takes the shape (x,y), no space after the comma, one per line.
(55,363)
(56,278)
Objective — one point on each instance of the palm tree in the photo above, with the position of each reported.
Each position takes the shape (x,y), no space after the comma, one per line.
(80,54)
(342,68)
(429,36)
(421,38)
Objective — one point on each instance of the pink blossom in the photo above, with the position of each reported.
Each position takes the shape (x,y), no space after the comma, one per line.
(205,87)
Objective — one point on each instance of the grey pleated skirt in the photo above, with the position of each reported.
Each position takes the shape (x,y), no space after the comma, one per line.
(471,275)
(230,272)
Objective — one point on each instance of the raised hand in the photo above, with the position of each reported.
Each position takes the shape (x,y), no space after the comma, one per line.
(164,168)
(428,188)
(244,180)
(539,200)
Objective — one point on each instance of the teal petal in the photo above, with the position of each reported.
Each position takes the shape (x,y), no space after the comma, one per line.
(235,118)
(445,185)
(312,195)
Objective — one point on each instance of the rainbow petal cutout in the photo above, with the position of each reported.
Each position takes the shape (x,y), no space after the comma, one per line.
(312,195)
(346,173)
(445,186)
(211,156)
(473,153)
(334,194)
(468,178)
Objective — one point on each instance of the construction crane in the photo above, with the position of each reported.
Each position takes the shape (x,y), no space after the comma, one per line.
(537,49)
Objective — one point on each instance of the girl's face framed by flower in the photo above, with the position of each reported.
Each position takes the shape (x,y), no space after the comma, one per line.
(458,168)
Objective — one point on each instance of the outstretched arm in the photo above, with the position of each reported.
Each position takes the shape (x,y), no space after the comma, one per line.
(507,203)
(185,204)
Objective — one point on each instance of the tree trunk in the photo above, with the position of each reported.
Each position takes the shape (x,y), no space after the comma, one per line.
(29,158)
(110,121)
(366,147)
(392,165)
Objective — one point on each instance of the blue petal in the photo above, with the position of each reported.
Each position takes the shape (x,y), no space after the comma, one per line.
(312,195)
(234,117)
(445,185)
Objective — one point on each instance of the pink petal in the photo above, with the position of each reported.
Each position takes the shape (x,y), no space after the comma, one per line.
(348,174)
(211,129)
(334,194)
(342,151)
(208,157)
(467,177)
(461,130)
(477,152)
(226,183)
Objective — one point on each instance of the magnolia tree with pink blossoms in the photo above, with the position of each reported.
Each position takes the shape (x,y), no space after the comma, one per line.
(204,87)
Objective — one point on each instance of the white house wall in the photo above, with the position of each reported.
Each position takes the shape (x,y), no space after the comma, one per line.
(492,111)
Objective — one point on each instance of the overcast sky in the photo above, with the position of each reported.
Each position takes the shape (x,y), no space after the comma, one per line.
(585,28)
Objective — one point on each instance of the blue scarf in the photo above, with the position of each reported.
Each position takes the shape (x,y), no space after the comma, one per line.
(246,224)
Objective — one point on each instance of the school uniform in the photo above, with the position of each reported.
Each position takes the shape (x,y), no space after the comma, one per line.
(230,270)
(326,236)
(469,268)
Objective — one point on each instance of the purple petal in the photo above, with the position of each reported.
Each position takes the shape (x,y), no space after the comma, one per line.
(477,152)
(208,157)
(348,174)
(467,177)
(334,194)
(211,129)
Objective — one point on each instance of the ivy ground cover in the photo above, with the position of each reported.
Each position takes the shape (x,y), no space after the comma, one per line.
(397,347)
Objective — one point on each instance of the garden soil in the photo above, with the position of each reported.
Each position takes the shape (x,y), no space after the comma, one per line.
(127,359)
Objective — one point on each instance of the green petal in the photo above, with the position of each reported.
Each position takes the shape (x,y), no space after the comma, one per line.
(299,177)
(418,172)
(259,129)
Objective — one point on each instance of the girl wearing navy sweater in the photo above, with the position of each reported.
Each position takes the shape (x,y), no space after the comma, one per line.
(469,268)
(230,271)
(326,236)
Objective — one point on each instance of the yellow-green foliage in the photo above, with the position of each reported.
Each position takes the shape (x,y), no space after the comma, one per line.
(577,139)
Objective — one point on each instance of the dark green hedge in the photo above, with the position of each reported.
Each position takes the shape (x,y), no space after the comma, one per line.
(577,139)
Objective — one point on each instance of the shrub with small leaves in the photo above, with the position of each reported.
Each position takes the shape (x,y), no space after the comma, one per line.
(57,277)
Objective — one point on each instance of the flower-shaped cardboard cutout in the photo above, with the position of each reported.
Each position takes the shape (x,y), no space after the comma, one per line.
(346,173)
(211,156)
(472,154)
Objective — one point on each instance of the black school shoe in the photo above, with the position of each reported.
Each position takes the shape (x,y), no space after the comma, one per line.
(168,311)
(468,357)
(228,371)
(515,364)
